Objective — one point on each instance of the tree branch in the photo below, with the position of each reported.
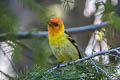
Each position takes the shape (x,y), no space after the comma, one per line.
(83,59)
(27,35)
(116,50)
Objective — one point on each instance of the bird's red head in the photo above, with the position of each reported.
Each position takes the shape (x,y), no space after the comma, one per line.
(56,26)
(55,20)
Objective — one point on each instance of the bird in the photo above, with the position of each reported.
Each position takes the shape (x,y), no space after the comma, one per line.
(62,45)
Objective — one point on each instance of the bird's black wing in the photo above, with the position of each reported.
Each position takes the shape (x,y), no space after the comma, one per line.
(74,43)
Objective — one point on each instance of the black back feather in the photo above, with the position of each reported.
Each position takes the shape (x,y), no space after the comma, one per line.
(74,43)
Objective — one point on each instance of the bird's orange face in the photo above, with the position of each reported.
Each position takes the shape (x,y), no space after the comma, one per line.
(56,26)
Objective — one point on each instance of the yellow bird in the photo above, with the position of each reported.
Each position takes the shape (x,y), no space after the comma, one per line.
(62,46)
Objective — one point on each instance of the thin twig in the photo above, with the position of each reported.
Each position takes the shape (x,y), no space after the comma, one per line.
(114,55)
(11,62)
(98,68)
(95,65)
(9,77)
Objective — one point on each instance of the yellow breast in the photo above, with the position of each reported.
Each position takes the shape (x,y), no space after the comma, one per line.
(63,49)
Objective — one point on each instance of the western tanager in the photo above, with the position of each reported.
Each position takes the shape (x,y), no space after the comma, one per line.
(62,46)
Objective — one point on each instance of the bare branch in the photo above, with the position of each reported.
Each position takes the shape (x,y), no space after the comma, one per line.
(11,62)
(80,60)
(83,59)
(27,35)
(7,75)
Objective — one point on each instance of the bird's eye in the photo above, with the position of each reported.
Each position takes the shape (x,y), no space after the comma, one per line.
(55,24)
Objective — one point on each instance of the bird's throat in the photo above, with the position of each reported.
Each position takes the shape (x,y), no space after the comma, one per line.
(55,39)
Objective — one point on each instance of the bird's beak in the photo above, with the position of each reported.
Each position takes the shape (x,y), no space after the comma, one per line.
(51,24)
